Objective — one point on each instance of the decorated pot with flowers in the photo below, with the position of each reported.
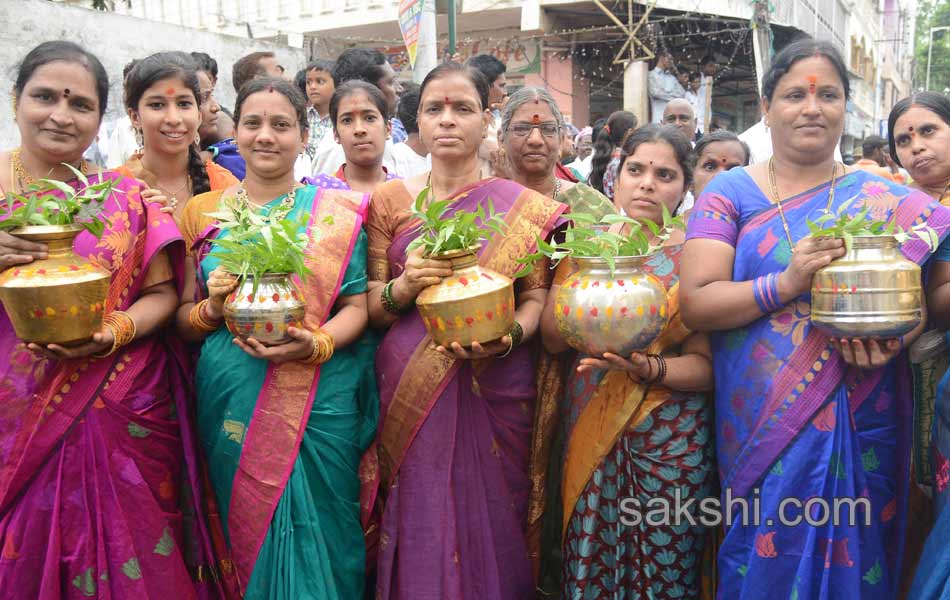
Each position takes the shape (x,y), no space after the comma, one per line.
(475,303)
(267,255)
(619,310)
(609,301)
(264,308)
(59,299)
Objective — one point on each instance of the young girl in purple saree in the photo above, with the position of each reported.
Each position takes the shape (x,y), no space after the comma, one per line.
(91,444)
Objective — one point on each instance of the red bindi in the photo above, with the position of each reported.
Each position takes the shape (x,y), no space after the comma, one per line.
(270,89)
(536,119)
(448,100)
(537,101)
(170,92)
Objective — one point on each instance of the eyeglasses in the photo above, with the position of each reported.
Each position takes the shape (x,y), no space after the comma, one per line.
(548,130)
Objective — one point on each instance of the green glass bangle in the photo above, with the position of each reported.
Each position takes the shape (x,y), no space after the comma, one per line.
(389,303)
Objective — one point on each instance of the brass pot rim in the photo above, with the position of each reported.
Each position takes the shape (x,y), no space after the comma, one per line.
(617,259)
(47,231)
(885,237)
(454,253)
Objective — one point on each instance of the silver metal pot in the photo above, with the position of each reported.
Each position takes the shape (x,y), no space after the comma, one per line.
(265,314)
(597,312)
(870,292)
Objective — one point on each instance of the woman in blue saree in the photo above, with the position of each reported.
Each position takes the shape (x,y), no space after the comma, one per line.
(800,415)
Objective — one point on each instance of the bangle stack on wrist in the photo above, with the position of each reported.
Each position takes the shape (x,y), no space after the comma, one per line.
(765,292)
(322,348)
(516,334)
(123,330)
(660,371)
(199,319)
(389,303)
(661,368)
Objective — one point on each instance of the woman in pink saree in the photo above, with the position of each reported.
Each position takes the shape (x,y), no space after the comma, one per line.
(456,424)
(91,451)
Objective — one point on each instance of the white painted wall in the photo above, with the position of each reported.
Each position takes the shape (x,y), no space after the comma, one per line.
(115,39)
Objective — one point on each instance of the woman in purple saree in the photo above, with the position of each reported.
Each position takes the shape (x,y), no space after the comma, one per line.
(91,452)
(456,424)
(800,415)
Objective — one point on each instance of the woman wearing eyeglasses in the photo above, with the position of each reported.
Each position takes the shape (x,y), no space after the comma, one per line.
(531,126)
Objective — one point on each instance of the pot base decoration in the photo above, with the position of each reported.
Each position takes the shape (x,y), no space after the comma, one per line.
(870,292)
(474,304)
(620,313)
(59,299)
(265,314)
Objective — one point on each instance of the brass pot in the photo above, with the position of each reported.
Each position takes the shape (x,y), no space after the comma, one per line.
(598,312)
(57,300)
(870,292)
(474,304)
(265,313)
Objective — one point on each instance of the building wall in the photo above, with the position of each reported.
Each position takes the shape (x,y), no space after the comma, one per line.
(561,78)
(115,39)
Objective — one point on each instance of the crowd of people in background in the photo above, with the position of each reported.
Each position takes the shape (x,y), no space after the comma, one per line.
(169,458)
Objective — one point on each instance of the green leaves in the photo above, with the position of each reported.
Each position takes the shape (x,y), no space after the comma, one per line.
(589,238)
(462,230)
(255,244)
(53,202)
(847,227)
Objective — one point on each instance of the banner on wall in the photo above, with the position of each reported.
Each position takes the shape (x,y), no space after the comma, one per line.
(410,15)
(520,56)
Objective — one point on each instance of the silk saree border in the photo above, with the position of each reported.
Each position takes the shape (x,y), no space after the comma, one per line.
(283,406)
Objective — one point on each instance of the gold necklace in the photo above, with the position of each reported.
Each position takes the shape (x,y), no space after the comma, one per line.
(19,174)
(174,195)
(278,212)
(778,199)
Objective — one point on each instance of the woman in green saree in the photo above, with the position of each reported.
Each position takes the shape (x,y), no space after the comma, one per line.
(283,427)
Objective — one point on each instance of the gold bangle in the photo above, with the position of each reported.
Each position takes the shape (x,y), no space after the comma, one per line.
(123,330)
(322,348)
(196,316)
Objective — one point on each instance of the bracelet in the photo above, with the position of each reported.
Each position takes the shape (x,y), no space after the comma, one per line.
(389,303)
(123,331)
(661,365)
(660,371)
(322,348)
(515,334)
(198,319)
(765,292)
